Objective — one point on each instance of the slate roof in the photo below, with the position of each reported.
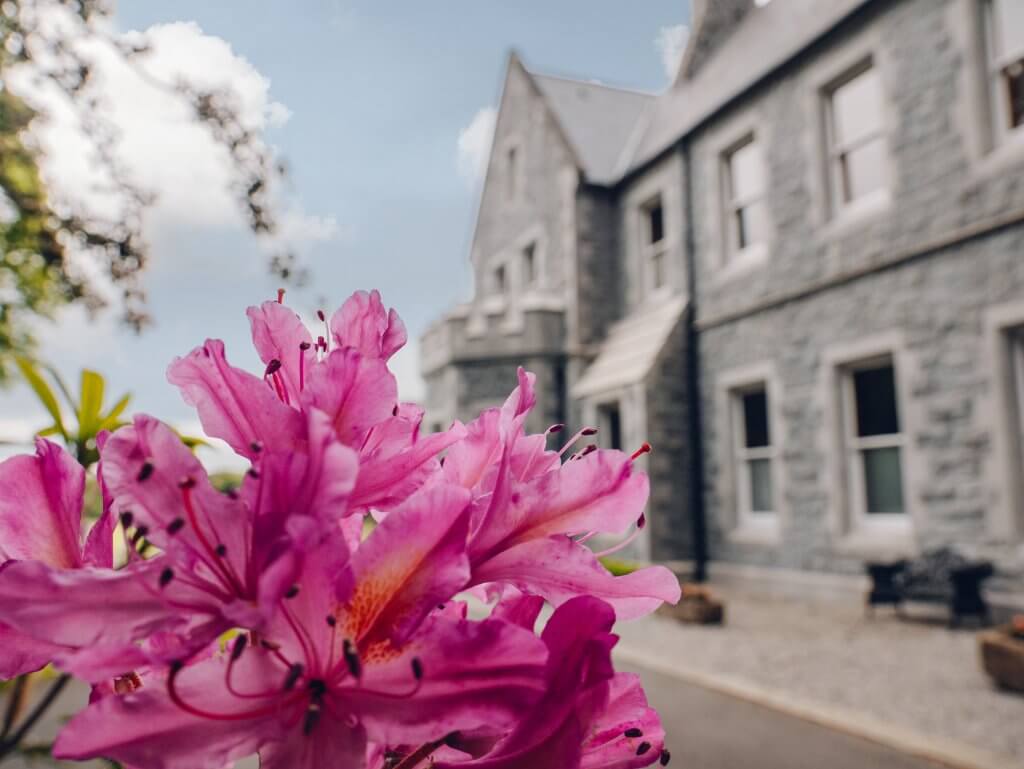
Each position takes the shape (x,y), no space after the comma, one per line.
(597,119)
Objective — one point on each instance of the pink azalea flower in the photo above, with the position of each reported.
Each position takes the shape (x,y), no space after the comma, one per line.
(226,561)
(589,716)
(533,512)
(41,500)
(358,653)
(343,374)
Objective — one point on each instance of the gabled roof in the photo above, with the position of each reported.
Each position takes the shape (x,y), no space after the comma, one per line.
(765,39)
(597,120)
(631,349)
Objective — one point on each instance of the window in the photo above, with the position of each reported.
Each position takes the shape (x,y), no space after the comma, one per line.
(609,425)
(1016,340)
(500,280)
(873,440)
(512,173)
(1004,31)
(857,153)
(654,242)
(753,453)
(530,265)
(746,214)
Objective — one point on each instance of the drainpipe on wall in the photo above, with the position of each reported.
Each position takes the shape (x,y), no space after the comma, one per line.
(692,357)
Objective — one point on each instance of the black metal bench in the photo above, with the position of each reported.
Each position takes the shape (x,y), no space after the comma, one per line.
(938,576)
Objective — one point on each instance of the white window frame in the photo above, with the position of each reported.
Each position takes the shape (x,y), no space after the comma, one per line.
(995,62)
(855,447)
(731,205)
(743,456)
(654,255)
(836,151)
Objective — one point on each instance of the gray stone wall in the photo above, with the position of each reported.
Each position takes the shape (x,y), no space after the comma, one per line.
(714,21)
(937,305)
(945,179)
(600,273)
(669,462)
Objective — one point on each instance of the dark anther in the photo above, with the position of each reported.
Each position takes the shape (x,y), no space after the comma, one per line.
(292,591)
(355,667)
(588,431)
(176,665)
(634,732)
(641,521)
(140,531)
(644,747)
(221,550)
(417,668)
(317,689)
(452,739)
(145,471)
(294,674)
(175,526)
(272,367)
(256,447)
(166,576)
(127,518)
(320,314)
(232,493)
(188,482)
(331,620)
(665,758)
(253,473)
(311,720)
(239,647)
(304,346)
(556,428)
(394,411)
(590,449)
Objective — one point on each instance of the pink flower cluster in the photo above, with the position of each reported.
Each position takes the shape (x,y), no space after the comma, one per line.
(271,622)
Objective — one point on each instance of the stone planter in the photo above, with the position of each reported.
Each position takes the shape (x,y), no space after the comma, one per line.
(1002,657)
(696,611)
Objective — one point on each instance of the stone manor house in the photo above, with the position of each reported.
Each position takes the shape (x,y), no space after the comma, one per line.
(798,273)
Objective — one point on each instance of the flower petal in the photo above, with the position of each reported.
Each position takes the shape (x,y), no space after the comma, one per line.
(278,333)
(609,746)
(41,507)
(413,561)
(474,674)
(329,746)
(363,323)
(356,391)
(233,404)
(22,653)
(558,569)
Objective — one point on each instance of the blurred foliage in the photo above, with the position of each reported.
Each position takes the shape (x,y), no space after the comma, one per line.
(88,415)
(44,243)
(91,417)
(619,567)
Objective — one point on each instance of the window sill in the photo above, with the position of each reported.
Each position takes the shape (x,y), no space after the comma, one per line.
(739,264)
(878,543)
(854,215)
(764,533)
(1008,152)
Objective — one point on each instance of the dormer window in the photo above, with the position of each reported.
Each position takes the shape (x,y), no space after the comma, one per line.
(530,265)
(654,242)
(512,162)
(499,281)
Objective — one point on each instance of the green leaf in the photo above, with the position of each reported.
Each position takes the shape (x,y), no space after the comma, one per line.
(90,405)
(51,430)
(112,420)
(65,390)
(42,391)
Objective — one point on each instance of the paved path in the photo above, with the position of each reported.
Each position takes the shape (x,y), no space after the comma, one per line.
(708,730)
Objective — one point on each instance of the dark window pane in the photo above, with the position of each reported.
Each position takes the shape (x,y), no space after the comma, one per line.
(755,419)
(611,425)
(656,222)
(1014,76)
(883,480)
(876,401)
(530,264)
(499,280)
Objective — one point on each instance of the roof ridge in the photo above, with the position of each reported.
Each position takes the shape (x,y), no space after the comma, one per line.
(594,83)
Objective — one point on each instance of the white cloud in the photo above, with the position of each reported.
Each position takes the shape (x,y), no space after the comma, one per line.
(164,149)
(475,144)
(405,365)
(670,44)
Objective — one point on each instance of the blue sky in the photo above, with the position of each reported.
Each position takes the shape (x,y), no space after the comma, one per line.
(376,96)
